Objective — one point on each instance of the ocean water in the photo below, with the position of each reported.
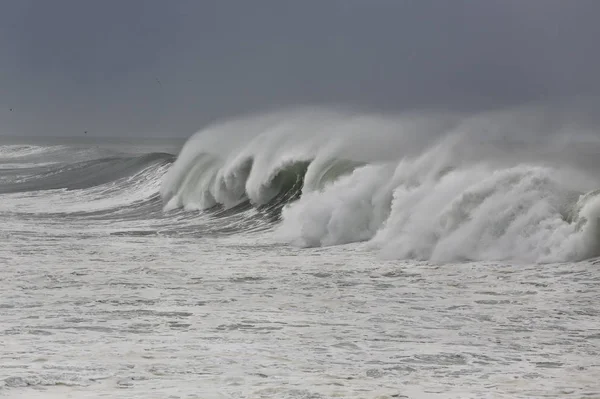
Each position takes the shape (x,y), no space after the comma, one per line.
(306,254)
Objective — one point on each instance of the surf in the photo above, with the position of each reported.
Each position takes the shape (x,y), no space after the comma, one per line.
(510,184)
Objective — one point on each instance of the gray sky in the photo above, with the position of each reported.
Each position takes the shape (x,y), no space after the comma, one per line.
(166,68)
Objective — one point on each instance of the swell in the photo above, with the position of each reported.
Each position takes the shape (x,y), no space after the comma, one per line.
(513,184)
(22,151)
(123,187)
(78,175)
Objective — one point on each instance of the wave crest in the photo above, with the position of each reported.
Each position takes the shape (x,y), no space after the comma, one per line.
(436,187)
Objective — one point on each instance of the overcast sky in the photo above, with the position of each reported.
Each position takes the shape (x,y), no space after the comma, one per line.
(166,68)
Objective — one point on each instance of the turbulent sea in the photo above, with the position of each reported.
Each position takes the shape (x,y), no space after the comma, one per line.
(306,254)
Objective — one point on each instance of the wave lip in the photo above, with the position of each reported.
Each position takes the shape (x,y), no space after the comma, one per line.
(248,159)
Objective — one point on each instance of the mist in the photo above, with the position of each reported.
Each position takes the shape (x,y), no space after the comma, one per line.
(167,69)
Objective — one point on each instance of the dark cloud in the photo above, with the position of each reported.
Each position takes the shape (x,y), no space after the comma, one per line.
(153,67)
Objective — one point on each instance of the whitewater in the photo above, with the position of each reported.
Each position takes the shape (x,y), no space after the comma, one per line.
(307,253)
(429,187)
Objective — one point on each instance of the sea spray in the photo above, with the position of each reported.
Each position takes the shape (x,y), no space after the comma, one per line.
(496,185)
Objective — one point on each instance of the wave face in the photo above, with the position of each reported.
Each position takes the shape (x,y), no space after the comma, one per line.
(72,181)
(515,184)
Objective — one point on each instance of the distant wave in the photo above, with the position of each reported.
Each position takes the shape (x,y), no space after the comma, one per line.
(55,180)
(21,156)
(516,184)
(22,150)
(78,175)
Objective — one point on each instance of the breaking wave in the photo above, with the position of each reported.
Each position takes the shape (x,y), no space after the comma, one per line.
(515,184)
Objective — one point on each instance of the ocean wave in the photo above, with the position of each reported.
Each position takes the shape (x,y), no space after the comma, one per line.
(12,151)
(15,154)
(77,175)
(125,187)
(501,185)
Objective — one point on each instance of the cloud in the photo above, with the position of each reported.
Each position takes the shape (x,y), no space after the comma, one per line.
(166,68)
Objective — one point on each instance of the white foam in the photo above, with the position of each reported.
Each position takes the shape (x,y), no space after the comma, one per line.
(496,185)
(474,212)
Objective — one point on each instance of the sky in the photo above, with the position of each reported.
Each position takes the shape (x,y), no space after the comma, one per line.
(157,68)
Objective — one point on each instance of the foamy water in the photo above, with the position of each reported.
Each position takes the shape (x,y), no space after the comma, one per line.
(407,265)
(88,314)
